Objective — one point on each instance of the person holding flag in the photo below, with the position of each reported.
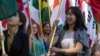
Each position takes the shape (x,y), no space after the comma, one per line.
(36,43)
(16,41)
(72,39)
(46,32)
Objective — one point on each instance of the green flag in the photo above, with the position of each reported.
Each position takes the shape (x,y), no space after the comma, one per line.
(7,8)
(44,9)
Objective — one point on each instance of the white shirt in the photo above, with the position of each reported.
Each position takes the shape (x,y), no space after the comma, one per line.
(68,40)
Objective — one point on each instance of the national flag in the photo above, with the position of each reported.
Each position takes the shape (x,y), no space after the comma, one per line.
(22,5)
(89,21)
(95,5)
(54,11)
(8,8)
(44,9)
(58,7)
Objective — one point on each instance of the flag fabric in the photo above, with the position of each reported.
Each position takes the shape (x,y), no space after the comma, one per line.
(4,24)
(54,11)
(95,5)
(8,8)
(20,4)
(68,4)
(89,21)
(44,9)
(56,5)
(30,11)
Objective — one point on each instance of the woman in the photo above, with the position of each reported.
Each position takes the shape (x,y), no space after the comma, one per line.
(46,33)
(16,41)
(73,39)
(36,43)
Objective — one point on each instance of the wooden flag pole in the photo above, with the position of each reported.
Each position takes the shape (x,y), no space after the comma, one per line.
(2,41)
(98,31)
(40,3)
(30,22)
(49,9)
(55,27)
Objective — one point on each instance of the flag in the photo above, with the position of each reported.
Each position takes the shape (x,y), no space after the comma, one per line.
(57,4)
(44,9)
(95,5)
(4,24)
(20,4)
(8,8)
(89,21)
(54,11)
(67,4)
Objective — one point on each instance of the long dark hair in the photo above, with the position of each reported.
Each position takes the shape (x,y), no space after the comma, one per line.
(47,22)
(79,23)
(22,19)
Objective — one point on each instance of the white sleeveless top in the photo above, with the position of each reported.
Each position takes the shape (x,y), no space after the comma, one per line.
(68,40)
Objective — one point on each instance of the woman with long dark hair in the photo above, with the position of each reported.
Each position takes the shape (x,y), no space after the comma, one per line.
(73,39)
(46,32)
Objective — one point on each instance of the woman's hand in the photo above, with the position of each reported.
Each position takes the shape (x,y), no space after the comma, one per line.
(54,49)
(2,37)
(55,23)
(97,53)
(53,54)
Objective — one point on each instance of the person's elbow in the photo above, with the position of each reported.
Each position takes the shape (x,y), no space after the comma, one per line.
(78,48)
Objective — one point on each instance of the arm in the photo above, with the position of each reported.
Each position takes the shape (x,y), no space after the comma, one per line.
(52,31)
(76,49)
(81,43)
(73,50)
(50,37)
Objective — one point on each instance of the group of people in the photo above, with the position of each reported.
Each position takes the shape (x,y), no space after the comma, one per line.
(72,40)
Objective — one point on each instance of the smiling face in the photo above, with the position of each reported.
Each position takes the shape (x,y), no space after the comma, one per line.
(46,28)
(70,17)
(34,26)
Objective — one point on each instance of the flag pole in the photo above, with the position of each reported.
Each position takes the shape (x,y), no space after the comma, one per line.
(40,3)
(49,9)
(2,41)
(55,27)
(30,23)
(98,31)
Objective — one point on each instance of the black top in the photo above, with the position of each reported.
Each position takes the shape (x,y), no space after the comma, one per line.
(19,46)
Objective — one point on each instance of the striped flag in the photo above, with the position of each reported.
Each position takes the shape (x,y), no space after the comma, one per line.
(54,12)
(44,10)
(34,12)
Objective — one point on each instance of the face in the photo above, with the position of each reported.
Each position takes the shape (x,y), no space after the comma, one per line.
(70,17)
(47,28)
(14,21)
(34,26)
